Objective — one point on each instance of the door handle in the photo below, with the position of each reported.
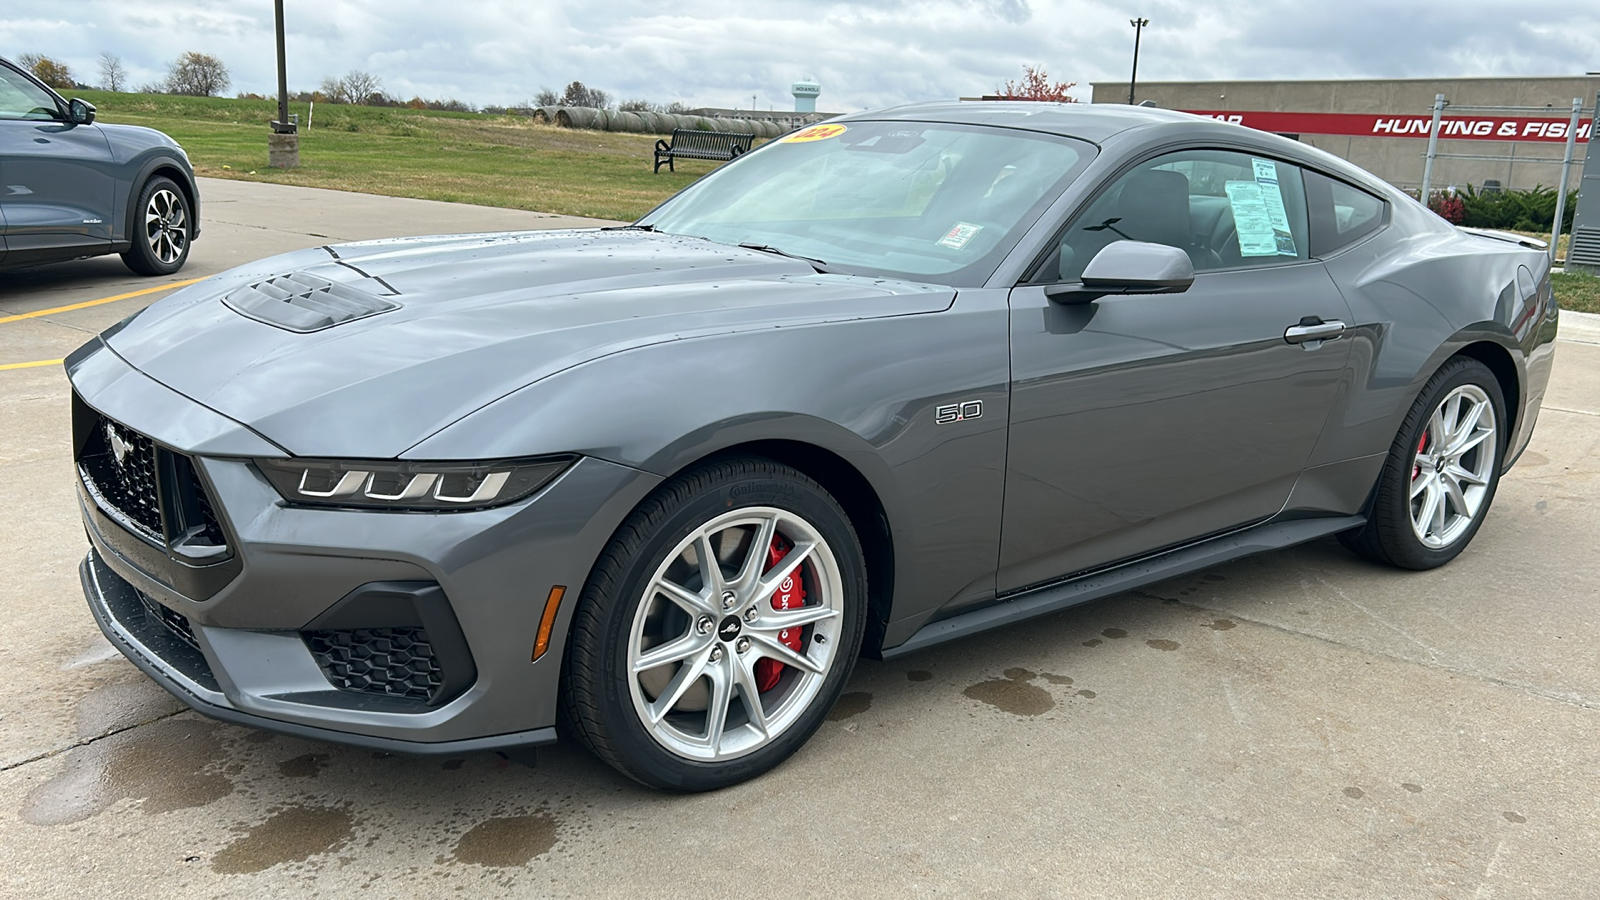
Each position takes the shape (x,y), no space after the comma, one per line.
(1312,331)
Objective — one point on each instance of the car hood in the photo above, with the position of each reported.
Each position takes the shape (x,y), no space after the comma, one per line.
(475,317)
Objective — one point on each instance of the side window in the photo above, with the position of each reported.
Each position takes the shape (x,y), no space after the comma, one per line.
(1341,214)
(22,99)
(1225,209)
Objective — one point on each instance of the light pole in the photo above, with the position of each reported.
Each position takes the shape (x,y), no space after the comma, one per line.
(283,144)
(1138,29)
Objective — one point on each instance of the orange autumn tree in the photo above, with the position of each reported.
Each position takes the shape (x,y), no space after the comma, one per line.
(1036,85)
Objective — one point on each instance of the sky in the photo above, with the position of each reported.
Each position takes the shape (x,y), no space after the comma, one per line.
(865,54)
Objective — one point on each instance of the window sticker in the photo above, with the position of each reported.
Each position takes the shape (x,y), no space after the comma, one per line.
(958,236)
(815,133)
(1267,176)
(1251,219)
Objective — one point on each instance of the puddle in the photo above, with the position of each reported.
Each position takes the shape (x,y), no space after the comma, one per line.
(1055,679)
(1514,817)
(1354,793)
(1222,625)
(1162,645)
(1013,694)
(508,840)
(1413,788)
(919,675)
(1115,634)
(1087,695)
(306,765)
(850,704)
(289,835)
(163,765)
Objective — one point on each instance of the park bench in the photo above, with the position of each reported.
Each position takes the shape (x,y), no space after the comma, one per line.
(690,144)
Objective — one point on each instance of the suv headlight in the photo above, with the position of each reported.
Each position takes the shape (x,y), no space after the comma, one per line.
(407,485)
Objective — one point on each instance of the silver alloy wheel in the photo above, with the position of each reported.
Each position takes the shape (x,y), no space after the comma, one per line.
(1453,465)
(707,617)
(166,226)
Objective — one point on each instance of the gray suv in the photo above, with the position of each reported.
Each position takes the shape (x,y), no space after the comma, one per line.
(70,188)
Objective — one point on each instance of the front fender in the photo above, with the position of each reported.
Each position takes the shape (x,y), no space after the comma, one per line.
(865,390)
(142,167)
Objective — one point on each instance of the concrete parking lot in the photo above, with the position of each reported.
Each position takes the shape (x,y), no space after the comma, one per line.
(1302,724)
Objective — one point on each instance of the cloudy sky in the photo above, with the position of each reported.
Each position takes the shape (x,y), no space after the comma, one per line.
(865,54)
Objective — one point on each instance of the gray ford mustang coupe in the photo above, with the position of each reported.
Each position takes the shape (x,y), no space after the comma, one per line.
(882,383)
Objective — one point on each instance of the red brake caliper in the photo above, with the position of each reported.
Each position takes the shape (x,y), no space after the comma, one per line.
(1416,468)
(791,594)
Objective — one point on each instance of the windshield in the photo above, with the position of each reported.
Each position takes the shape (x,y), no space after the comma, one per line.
(928,202)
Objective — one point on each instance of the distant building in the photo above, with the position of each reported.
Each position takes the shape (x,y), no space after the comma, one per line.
(781,116)
(1516,125)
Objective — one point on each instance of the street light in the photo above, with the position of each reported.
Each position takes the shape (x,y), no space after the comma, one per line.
(1138,29)
(283,144)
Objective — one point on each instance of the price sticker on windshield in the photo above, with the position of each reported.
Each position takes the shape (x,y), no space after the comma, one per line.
(958,236)
(815,133)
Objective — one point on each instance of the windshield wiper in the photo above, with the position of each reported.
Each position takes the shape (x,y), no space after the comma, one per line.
(768,248)
(629,228)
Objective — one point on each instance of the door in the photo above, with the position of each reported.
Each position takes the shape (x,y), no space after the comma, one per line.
(56,185)
(1144,422)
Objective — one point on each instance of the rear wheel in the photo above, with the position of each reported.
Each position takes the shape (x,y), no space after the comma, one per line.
(1442,471)
(163,226)
(718,627)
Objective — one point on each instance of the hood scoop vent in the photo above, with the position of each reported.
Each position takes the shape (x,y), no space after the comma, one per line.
(303,303)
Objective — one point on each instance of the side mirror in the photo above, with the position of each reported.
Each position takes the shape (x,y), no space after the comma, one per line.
(80,112)
(1128,267)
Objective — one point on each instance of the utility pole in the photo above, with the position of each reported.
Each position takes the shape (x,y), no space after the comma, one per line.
(1138,29)
(283,144)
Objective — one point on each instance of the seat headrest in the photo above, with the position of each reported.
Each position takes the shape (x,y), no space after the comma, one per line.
(1155,207)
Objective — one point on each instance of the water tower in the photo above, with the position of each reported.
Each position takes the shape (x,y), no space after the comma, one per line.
(805,95)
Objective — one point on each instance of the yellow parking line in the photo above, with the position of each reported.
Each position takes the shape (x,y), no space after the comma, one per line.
(32,365)
(88,303)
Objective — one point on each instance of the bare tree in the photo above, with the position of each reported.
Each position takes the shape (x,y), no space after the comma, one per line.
(197,75)
(112,74)
(355,87)
(579,94)
(546,97)
(50,71)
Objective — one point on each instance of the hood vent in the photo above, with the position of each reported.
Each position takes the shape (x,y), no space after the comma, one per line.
(303,303)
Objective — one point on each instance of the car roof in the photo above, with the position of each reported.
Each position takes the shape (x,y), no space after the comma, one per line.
(1094,122)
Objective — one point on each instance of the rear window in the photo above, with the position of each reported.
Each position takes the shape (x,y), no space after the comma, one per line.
(1341,214)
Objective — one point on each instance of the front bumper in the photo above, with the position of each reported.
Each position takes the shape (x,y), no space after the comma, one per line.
(232,641)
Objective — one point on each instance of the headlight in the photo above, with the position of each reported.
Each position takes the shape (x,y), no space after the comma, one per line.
(371,484)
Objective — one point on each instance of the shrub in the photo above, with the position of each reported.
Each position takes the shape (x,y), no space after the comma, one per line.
(1532,210)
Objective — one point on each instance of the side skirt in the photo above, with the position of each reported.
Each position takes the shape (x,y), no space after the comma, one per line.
(1126,577)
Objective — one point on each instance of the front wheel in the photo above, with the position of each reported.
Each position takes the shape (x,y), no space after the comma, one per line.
(163,226)
(718,627)
(1442,471)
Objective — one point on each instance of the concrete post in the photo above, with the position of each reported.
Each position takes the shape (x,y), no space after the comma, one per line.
(283,151)
(1433,148)
(1566,170)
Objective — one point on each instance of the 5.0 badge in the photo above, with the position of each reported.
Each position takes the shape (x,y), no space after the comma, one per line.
(956,412)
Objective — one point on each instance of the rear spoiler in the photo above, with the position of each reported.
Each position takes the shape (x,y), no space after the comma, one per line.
(1524,240)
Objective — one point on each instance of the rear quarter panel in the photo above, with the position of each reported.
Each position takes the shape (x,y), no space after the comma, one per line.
(1420,291)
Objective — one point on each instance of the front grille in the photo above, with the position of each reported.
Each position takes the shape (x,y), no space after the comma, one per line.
(394,662)
(148,489)
(172,620)
(119,466)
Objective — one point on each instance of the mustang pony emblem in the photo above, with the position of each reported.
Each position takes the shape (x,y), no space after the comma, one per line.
(119,447)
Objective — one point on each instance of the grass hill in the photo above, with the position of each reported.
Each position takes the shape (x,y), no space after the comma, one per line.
(463,157)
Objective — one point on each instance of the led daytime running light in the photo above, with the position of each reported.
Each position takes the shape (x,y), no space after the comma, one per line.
(409,485)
